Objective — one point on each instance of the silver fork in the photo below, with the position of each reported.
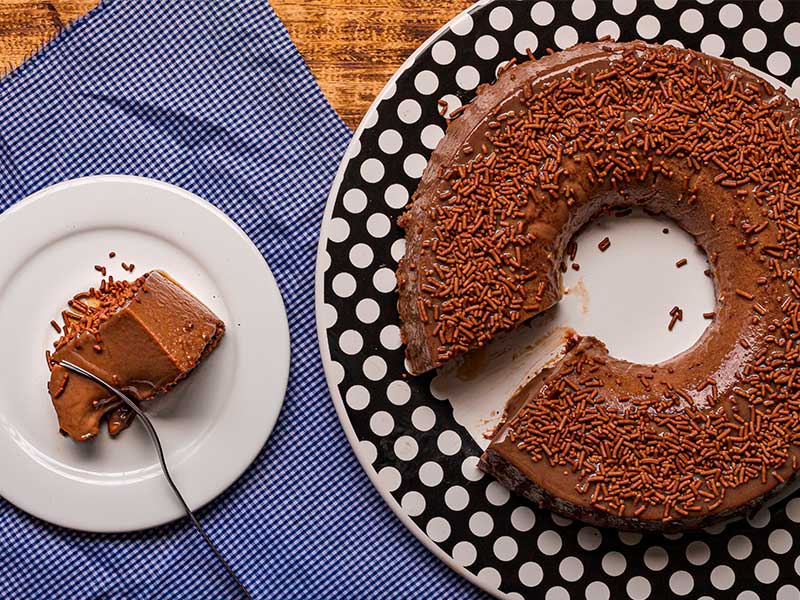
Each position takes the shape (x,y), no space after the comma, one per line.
(157,443)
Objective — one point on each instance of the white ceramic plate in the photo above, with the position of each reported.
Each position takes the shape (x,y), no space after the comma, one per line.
(212,425)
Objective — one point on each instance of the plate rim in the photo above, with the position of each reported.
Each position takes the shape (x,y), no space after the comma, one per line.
(319,300)
(169,514)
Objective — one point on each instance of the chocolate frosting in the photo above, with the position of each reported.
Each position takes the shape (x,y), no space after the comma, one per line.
(753,293)
(149,345)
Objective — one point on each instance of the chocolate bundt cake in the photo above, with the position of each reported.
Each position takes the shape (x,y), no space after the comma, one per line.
(680,444)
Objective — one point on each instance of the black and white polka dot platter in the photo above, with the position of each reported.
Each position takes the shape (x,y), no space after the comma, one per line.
(405,430)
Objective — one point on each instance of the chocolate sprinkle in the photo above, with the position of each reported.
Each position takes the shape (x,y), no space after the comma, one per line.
(94,307)
(677,315)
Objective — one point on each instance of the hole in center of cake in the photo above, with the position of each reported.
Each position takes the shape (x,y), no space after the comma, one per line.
(623,296)
(634,271)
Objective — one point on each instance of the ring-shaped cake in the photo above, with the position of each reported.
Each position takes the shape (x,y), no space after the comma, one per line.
(700,437)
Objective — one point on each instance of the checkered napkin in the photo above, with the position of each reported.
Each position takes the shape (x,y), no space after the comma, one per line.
(211,96)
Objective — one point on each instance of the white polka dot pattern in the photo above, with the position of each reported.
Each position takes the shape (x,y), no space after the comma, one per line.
(543,13)
(766,570)
(431,136)
(456,498)
(426,82)
(525,41)
(566,36)
(698,552)
(390,142)
(624,7)
(405,425)
(730,15)
(357,397)
(443,52)
(549,542)
(501,18)
(486,47)
(354,200)
(648,27)
(396,196)
(468,77)
(530,574)
(614,563)
(712,44)
(739,547)
(481,523)
(754,40)
(570,569)
(691,20)
(413,504)
(589,538)
(681,583)
(431,474)
(597,590)
(523,518)
(505,548)
(464,553)
(496,494)
(372,171)
(656,558)
(390,477)
(638,588)
(409,111)
(438,529)
(406,448)
(414,165)
(462,25)
(583,10)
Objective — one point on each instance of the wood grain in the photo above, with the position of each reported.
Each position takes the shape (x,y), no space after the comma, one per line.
(354,46)
(26,24)
(351,46)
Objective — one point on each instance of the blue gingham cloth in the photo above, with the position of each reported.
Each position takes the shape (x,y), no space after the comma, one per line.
(211,96)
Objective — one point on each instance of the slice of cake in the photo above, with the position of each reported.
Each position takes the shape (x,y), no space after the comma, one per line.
(142,336)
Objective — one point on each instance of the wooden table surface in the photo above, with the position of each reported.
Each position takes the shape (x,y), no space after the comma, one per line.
(352,46)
